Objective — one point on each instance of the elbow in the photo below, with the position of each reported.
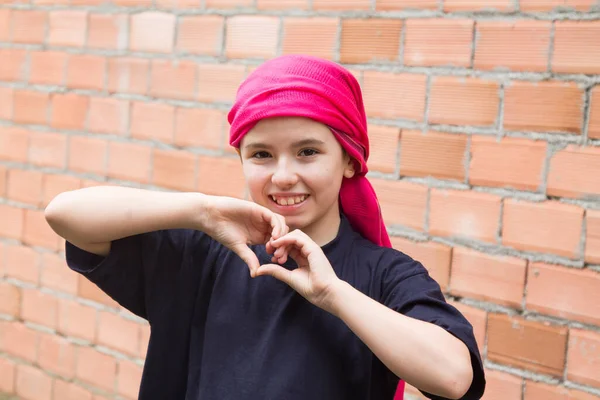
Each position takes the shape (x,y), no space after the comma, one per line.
(53,213)
(460,381)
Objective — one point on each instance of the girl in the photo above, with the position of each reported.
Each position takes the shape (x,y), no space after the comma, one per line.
(328,310)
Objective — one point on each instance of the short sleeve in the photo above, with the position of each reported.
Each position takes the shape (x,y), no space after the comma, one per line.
(409,289)
(141,271)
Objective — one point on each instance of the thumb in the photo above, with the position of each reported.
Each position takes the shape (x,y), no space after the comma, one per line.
(276,271)
(248,256)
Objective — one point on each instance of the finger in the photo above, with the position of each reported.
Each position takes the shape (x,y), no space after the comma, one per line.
(276,271)
(248,257)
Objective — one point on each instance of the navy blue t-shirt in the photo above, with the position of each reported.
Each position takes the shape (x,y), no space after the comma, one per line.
(218,334)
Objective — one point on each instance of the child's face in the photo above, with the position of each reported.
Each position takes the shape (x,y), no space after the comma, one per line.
(294,166)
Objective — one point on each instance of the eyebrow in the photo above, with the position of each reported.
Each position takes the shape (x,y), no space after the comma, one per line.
(299,143)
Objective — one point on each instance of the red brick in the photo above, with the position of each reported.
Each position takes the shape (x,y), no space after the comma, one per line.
(199,127)
(498,279)
(47,149)
(502,386)
(464,214)
(128,75)
(90,291)
(14,144)
(584,357)
(392,5)
(18,340)
(86,71)
(221,176)
(152,32)
(107,31)
(553,5)
(564,292)
(3,178)
(440,155)
(56,275)
(435,257)
(341,5)
(76,320)
(10,299)
(391,96)
(175,170)
(67,28)
(438,42)
(521,45)
(530,345)
(476,5)
(13,219)
(594,123)
(69,111)
(96,368)
(5,17)
(31,383)
(152,121)
(28,26)
(87,155)
(508,162)
(40,308)
(55,184)
(14,62)
(543,107)
(69,391)
(592,241)
(37,232)
(130,377)
(25,186)
(384,146)
(219,82)
(547,227)
(477,318)
(250,36)
(402,203)
(30,107)
(463,101)
(543,391)
(569,172)
(370,40)
(133,3)
(7,376)
(227,4)
(6,103)
(108,115)
(129,161)
(279,5)
(56,355)
(47,67)
(118,333)
(201,34)
(178,4)
(576,47)
(173,79)
(323,36)
(22,263)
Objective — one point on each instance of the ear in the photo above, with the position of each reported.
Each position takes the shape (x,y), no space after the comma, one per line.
(349,169)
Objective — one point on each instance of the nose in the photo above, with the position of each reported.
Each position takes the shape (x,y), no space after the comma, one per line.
(284,176)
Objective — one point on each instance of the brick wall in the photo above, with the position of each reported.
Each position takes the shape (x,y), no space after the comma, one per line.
(485,126)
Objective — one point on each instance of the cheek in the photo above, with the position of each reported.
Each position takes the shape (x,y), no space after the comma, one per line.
(256,179)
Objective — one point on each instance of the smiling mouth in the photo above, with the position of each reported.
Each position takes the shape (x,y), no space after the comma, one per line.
(288,200)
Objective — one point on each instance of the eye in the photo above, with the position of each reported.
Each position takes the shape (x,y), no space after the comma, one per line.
(308,152)
(261,154)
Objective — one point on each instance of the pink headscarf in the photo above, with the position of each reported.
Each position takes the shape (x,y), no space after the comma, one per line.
(305,86)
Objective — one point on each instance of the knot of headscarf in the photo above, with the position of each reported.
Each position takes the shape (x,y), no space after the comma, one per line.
(305,86)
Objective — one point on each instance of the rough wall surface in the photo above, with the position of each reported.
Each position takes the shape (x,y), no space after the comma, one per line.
(485,126)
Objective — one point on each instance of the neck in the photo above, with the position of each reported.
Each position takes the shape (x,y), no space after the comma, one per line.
(325,229)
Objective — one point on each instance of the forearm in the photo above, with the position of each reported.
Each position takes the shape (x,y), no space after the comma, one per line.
(422,354)
(107,213)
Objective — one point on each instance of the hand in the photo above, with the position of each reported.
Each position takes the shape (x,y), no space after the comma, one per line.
(314,278)
(238,223)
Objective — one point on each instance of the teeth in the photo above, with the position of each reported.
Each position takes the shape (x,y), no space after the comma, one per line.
(289,201)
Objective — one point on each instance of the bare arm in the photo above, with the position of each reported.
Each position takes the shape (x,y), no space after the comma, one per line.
(93,217)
